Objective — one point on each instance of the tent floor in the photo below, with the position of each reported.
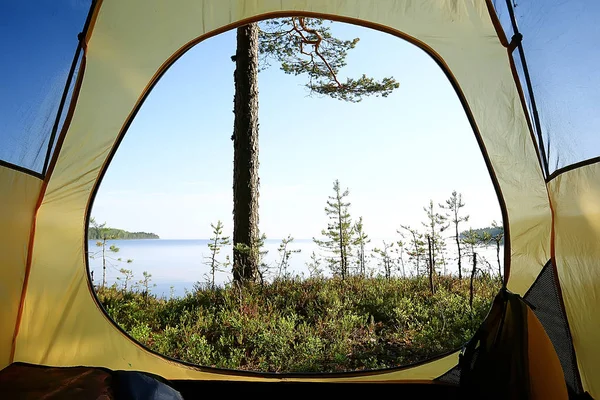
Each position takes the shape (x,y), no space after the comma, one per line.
(26,381)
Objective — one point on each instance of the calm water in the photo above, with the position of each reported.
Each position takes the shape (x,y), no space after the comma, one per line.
(180,263)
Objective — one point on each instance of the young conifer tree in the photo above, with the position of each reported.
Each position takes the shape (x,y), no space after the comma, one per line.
(360,241)
(386,258)
(435,224)
(105,234)
(415,248)
(453,206)
(496,236)
(284,256)
(216,243)
(339,234)
(472,239)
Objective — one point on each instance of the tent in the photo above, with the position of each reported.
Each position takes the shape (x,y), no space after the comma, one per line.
(526,73)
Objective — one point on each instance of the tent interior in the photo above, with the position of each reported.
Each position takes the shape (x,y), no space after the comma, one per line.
(526,73)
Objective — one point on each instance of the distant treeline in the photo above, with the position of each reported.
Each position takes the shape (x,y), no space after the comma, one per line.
(113,233)
(491,230)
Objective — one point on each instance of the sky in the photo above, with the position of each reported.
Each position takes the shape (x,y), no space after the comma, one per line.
(172,174)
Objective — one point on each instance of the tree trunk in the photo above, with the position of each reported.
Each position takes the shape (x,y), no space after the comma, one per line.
(472,277)
(213,263)
(417,252)
(430,264)
(245,157)
(103,263)
(402,265)
(342,245)
(362,259)
(432,247)
(458,248)
(498,259)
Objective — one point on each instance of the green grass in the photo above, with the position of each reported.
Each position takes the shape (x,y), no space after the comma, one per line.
(311,325)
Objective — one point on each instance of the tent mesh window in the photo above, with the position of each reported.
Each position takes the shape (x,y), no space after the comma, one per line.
(544,299)
(36,64)
(557,37)
(452,377)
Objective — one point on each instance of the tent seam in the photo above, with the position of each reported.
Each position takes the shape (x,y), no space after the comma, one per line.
(23,170)
(571,167)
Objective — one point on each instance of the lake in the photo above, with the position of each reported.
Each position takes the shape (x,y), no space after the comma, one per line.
(181,263)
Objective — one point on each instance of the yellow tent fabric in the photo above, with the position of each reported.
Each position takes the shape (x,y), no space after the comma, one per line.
(576,201)
(130,44)
(546,376)
(18,196)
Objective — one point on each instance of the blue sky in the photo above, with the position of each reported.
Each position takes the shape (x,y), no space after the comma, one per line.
(172,174)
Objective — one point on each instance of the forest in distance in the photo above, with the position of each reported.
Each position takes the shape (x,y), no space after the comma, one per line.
(101,231)
(121,234)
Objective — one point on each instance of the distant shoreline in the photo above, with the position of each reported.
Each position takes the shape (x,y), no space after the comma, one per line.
(103,233)
(137,238)
(187,239)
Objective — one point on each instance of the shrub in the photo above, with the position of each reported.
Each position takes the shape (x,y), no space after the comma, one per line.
(306,325)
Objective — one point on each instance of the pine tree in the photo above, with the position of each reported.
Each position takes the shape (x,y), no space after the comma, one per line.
(386,259)
(472,239)
(496,236)
(126,278)
(400,251)
(314,266)
(435,225)
(245,155)
(416,250)
(301,46)
(216,243)
(145,283)
(453,206)
(360,241)
(261,255)
(284,256)
(339,234)
(105,234)
(306,46)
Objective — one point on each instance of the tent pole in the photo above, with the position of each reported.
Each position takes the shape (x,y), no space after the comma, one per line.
(81,40)
(536,116)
